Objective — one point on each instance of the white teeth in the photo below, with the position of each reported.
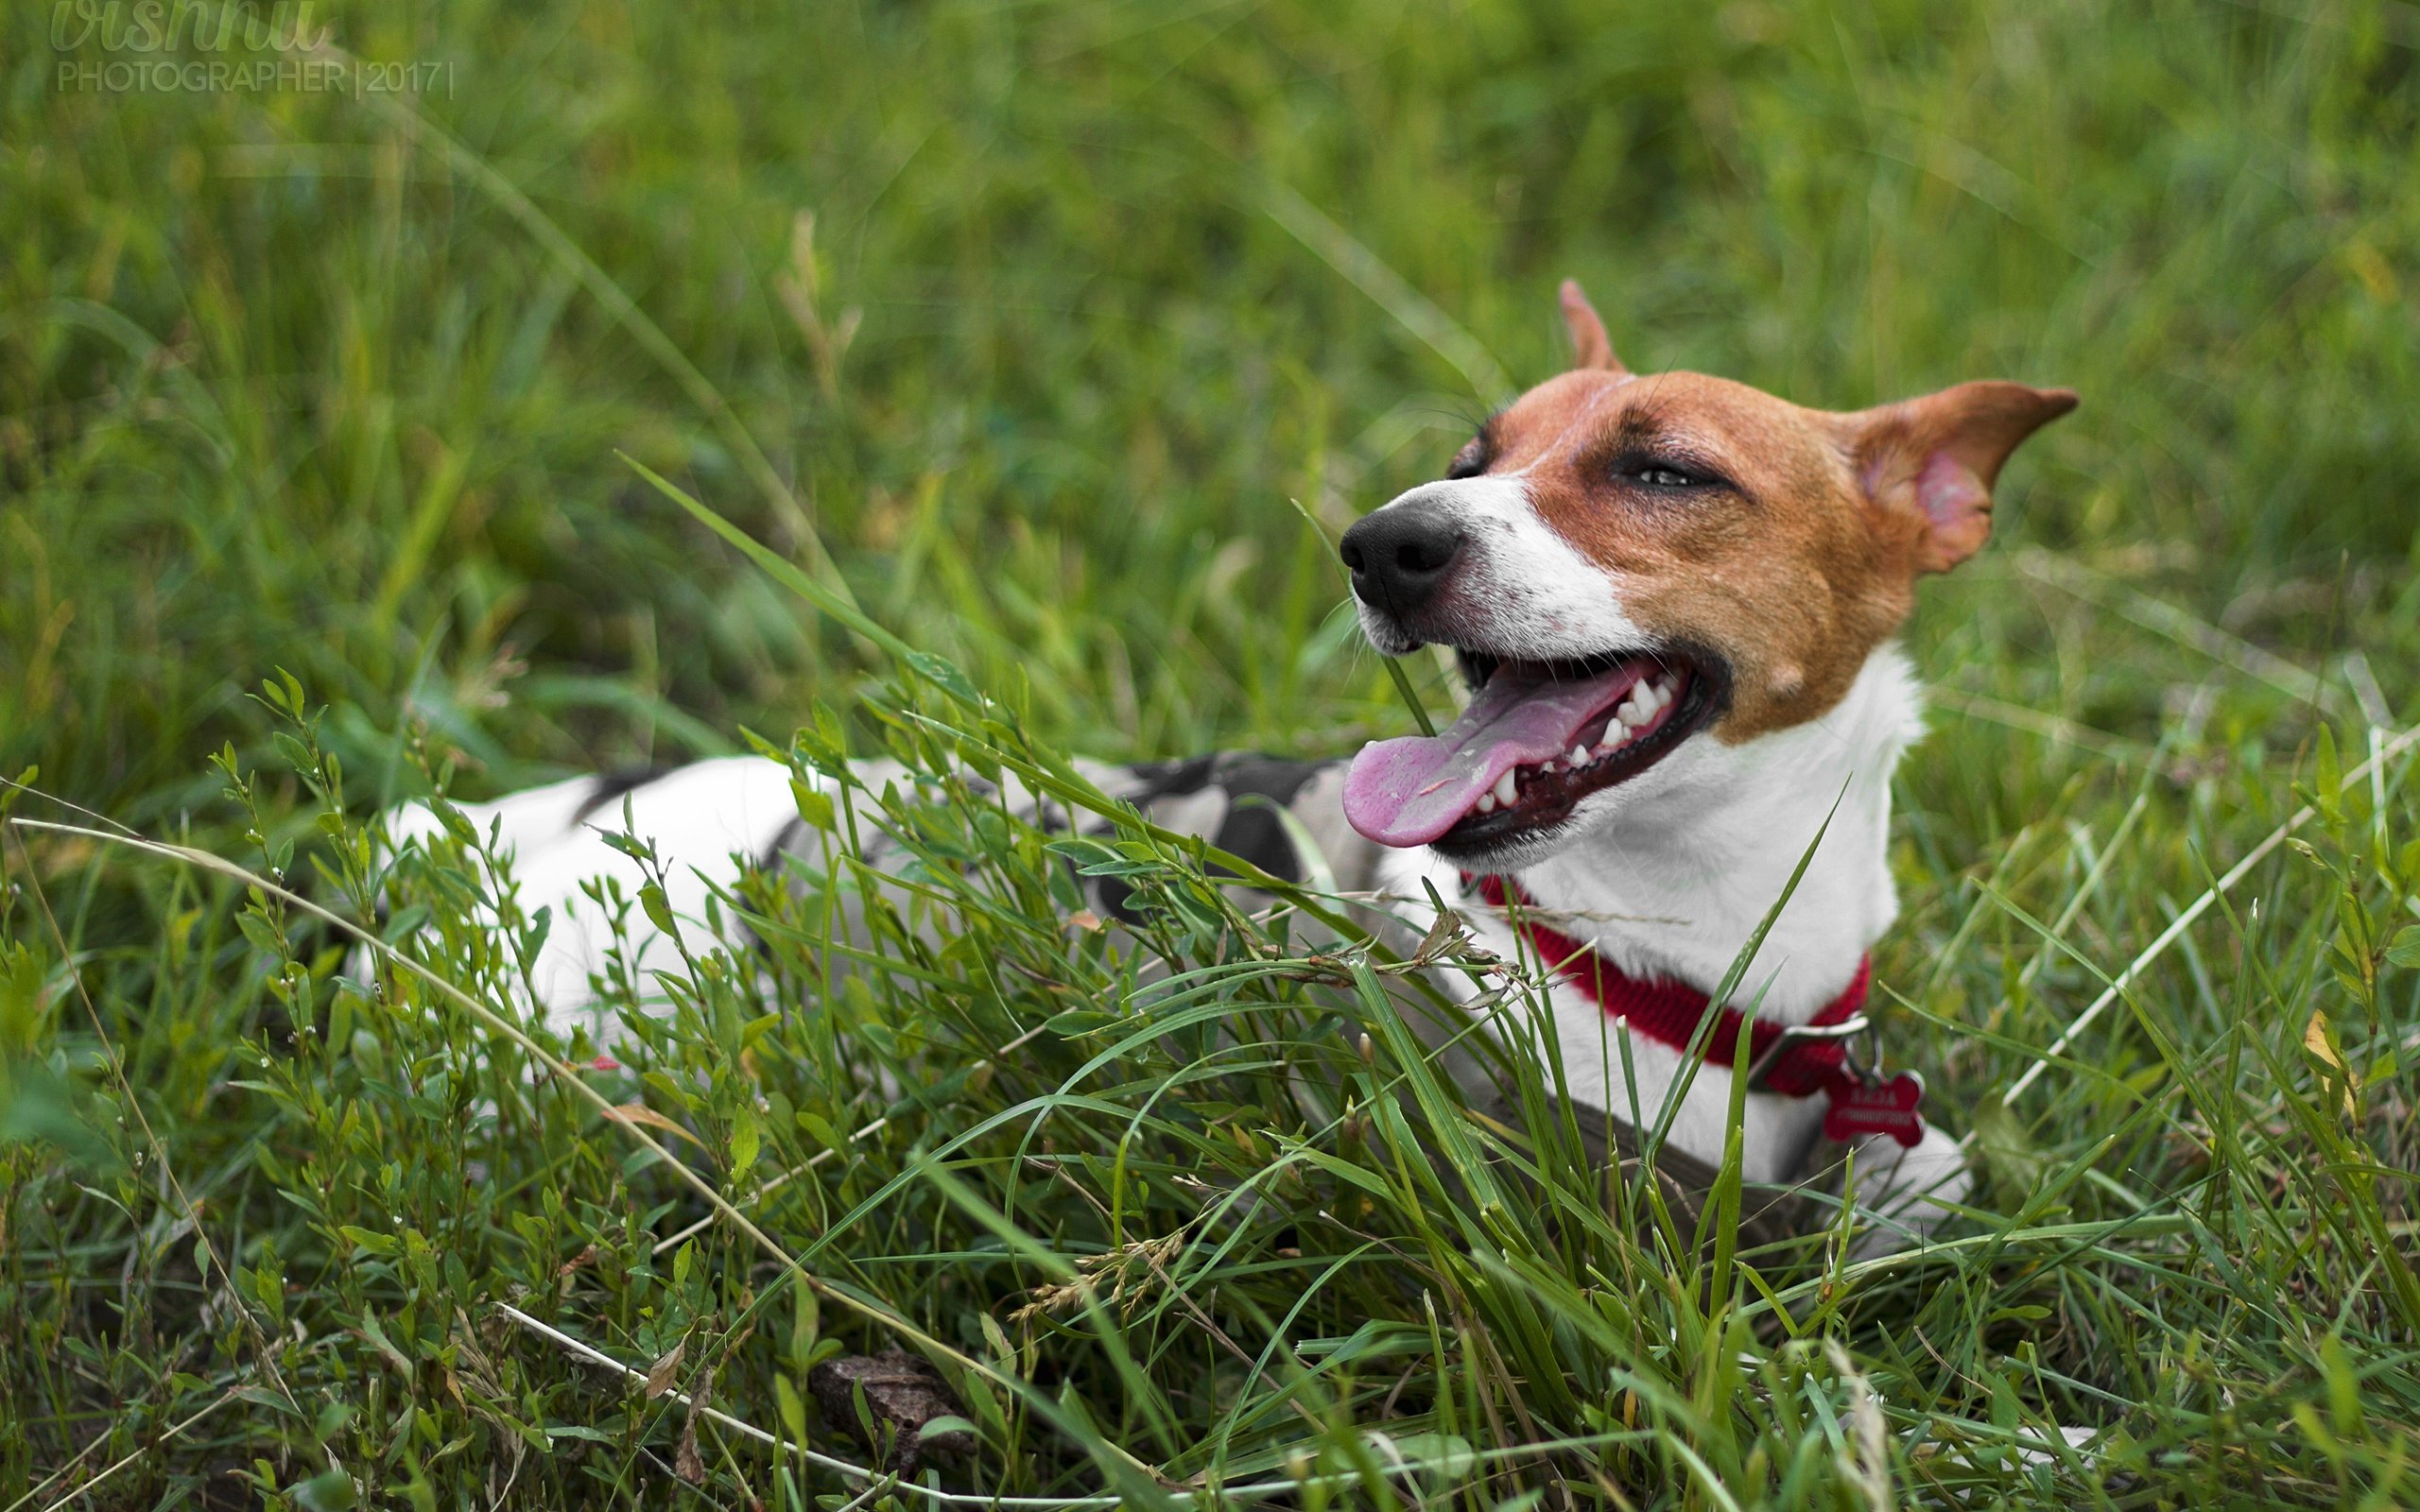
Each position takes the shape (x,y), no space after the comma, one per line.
(1579,755)
(1487,802)
(1645,702)
(1505,791)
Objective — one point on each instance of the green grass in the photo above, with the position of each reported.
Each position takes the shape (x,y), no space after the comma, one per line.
(1096,301)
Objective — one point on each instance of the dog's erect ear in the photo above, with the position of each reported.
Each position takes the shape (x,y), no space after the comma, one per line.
(1934,459)
(1590,346)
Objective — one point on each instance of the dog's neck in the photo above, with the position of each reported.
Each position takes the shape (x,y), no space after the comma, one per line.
(1677,890)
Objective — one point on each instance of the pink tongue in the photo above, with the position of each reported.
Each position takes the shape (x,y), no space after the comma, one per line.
(1408,791)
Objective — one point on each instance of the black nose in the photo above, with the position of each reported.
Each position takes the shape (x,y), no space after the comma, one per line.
(1399,554)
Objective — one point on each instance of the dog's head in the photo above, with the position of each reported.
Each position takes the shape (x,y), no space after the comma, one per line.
(1643,573)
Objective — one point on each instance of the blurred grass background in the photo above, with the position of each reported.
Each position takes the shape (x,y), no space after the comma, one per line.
(285,388)
(1051,322)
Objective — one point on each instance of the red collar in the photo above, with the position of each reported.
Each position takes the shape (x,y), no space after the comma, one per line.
(1669,1013)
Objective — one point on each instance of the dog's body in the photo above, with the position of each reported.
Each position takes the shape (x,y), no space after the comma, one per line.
(1676,598)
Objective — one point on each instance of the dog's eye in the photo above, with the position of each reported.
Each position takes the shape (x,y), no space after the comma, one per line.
(1662,475)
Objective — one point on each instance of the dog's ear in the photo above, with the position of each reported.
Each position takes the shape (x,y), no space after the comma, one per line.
(1590,346)
(1931,461)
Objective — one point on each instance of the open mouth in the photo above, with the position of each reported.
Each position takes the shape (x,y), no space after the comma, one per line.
(1537,738)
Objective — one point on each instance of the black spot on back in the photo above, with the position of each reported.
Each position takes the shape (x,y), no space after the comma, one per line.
(612,787)
(1172,779)
(1257,787)
(1117,900)
(1273,778)
(1254,786)
(791,837)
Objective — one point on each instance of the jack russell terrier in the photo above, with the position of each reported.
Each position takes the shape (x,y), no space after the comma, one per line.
(1674,598)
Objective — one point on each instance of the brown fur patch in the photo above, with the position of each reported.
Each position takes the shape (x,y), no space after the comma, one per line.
(1799,557)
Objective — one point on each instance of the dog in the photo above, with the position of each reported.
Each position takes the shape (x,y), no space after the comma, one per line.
(1675,600)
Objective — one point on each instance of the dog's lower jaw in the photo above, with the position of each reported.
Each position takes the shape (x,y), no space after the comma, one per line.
(1519,854)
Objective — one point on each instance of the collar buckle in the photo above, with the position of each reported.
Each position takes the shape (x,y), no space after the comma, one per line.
(1848,1028)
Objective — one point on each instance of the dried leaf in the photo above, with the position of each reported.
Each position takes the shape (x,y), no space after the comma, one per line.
(903,1393)
(641,1113)
(1445,936)
(686,1462)
(658,1376)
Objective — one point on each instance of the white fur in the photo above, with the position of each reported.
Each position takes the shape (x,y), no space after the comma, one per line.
(1685,860)
(1520,590)
(698,816)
